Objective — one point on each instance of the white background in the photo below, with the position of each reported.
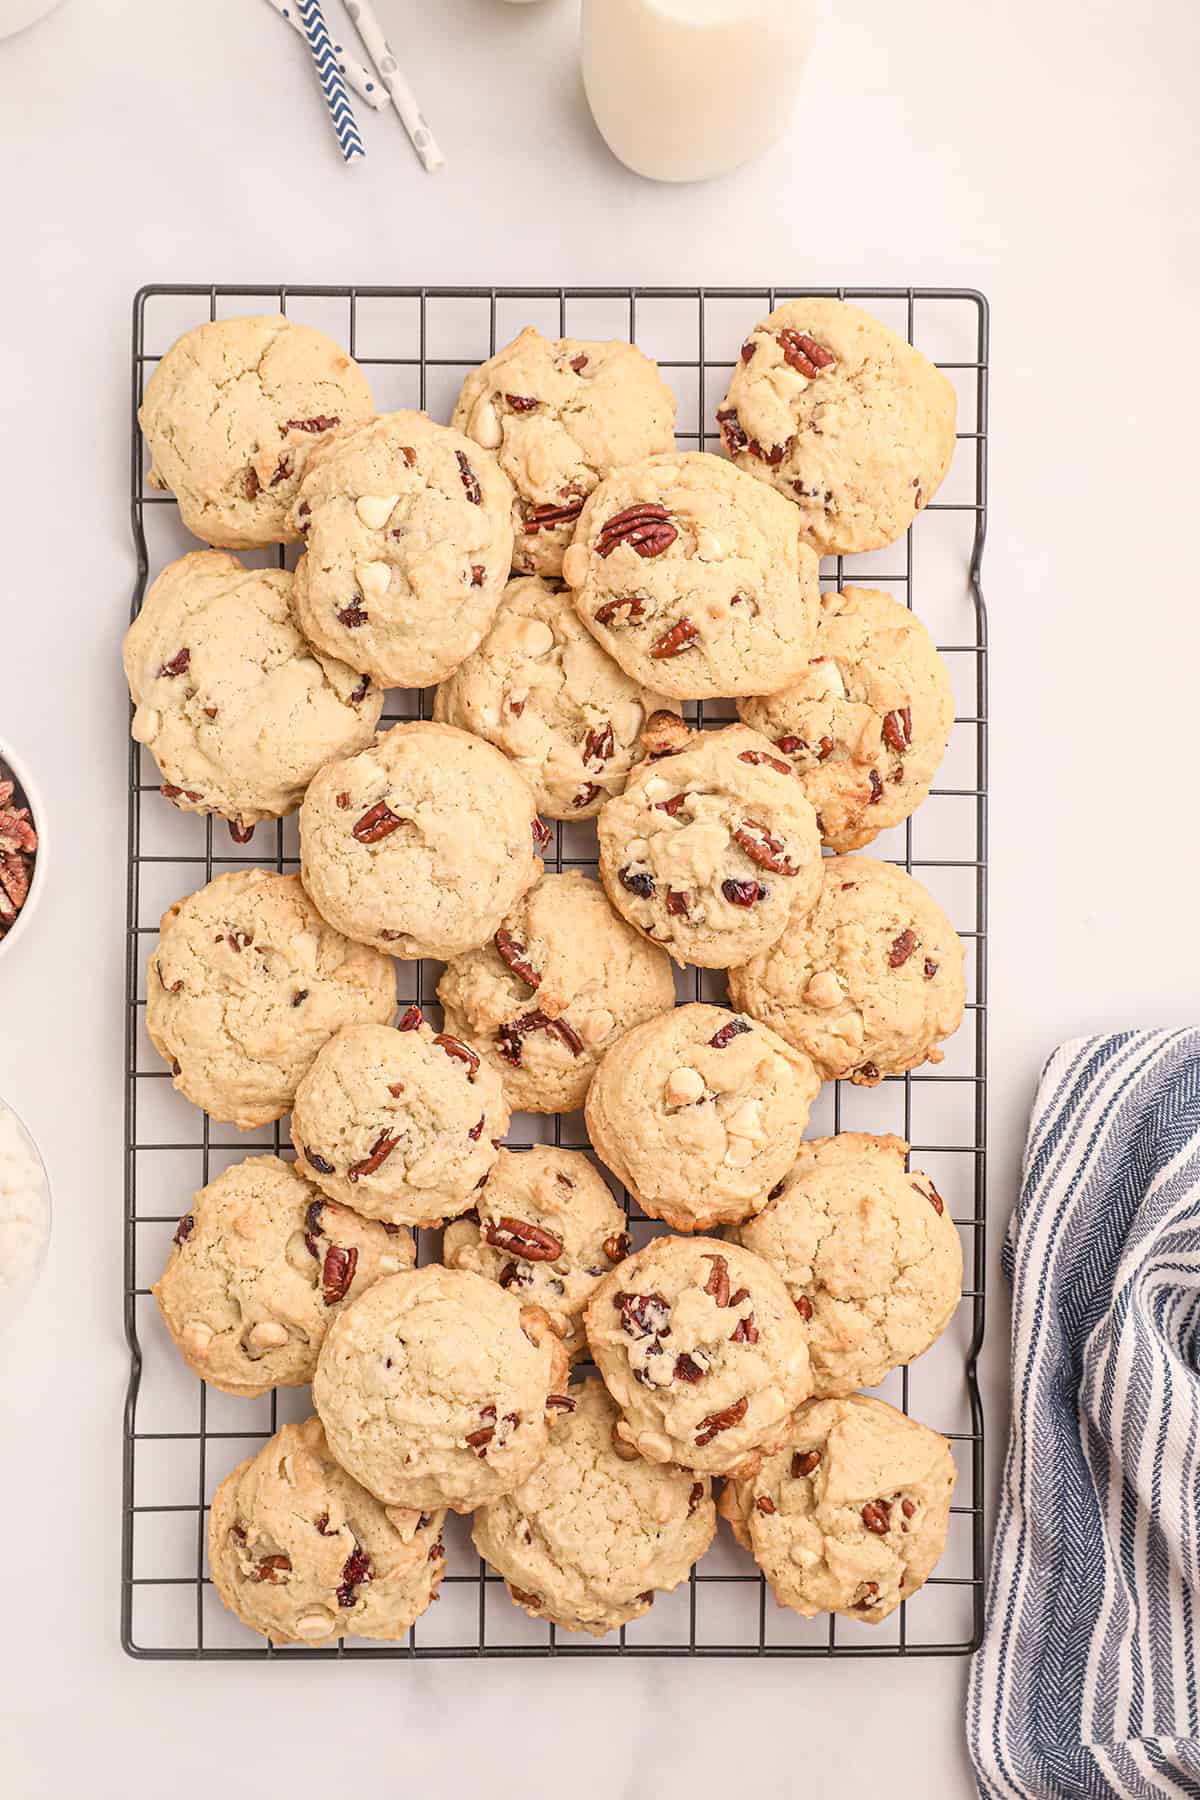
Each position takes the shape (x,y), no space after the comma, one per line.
(1043,150)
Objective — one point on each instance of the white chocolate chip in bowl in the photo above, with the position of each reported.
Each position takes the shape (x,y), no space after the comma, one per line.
(375,509)
(683,1087)
(575,565)
(373,578)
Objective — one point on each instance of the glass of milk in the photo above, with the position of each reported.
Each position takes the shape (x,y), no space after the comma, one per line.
(683,90)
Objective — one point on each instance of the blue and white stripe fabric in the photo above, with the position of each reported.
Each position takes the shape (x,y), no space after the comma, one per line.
(1086,1683)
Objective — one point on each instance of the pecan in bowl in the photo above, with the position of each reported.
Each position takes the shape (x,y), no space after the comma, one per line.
(22,851)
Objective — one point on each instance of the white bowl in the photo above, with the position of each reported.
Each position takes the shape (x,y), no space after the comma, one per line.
(24,1232)
(27,795)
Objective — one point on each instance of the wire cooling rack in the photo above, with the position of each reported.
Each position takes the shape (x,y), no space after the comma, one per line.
(181,1438)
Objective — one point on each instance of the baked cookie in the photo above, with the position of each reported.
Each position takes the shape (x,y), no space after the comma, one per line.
(232,413)
(400,1123)
(407,547)
(868,722)
(702,1350)
(560,415)
(238,711)
(850,1514)
(869,983)
(560,981)
(545,693)
(439,1389)
(711,850)
(245,986)
(260,1264)
(421,843)
(547,1229)
(693,580)
(842,416)
(299,1551)
(868,1252)
(699,1113)
(590,1536)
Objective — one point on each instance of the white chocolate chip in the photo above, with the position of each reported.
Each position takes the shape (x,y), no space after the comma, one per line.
(197,1338)
(827,678)
(740,1152)
(373,578)
(654,1446)
(709,547)
(146,724)
(575,565)
(596,1027)
(535,637)
(304,947)
(654,787)
(375,509)
(662,1506)
(484,424)
(824,990)
(267,1335)
(684,1086)
(746,1122)
(314,1625)
(390,1265)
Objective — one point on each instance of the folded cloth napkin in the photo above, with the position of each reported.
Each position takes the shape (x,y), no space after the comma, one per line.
(1087,1681)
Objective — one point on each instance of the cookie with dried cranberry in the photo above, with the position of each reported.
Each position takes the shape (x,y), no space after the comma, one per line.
(699,1113)
(438,1388)
(421,843)
(868,1252)
(401,1123)
(560,415)
(591,1536)
(870,983)
(408,541)
(546,1228)
(868,722)
(703,1352)
(260,1264)
(301,1552)
(231,416)
(693,577)
(712,849)
(848,420)
(246,984)
(543,691)
(559,982)
(850,1514)
(235,706)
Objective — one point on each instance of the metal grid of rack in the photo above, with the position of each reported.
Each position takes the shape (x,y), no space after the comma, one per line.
(181,1438)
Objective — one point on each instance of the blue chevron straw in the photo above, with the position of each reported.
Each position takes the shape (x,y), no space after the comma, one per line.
(341,113)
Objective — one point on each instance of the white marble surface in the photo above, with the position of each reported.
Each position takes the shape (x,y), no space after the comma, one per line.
(1045,153)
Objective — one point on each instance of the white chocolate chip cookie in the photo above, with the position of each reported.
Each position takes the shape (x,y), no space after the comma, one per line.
(692,580)
(421,843)
(559,982)
(560,415)
(299,1551)
(869,983)
(867,1251)
(702,1350)
(439,1389)
(713,848)
(842,416)
(407,547)
(543,691)
(589,1538)
(237,709)
(231,415)
(246,985)
(850,1514)
(399,1122)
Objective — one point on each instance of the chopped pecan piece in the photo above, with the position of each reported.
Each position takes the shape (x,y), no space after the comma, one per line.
(359,692)
(934,1198)
(381,1149)
(645,527)
(688,1369)
(695,1497)
(732,435)
(541,834)
(678,904)
(343,801)
(897,729)
(513,954)
(804,1307)
(283,468)
(765,1504)
(579,363)
(522,403)
(337,1273)
(410,1019)
(726,1033)
(902,948)
(908,1508)
(745,1331)
(599,743)
(789,744)
(717,1285)
(461,1052)
(761,756)
(544,518)
(671,806)
(803,353)
(877,1517)
(379,821)
(177,665)
(616,1247)
(250,489)
(604,615)
(869,1595)
(674,641)
(478,572)
(523,1598)
(241,834)
(825,749)
(586,795)
(767,851)
(643,1315)
(272,1568)
(476,1131)
(521,1238)
(876,788)
(469,480)
(509,1036)
(804,1462)
(322,422)
(717,1422)
(931,968)
(561,1402)
(184,1229)
(748,350)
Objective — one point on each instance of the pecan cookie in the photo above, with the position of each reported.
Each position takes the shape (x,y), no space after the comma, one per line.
(560,981)
(700,1113)
(869,983)
(693,579)
(439,1389)
(299,1551)
(702,1350)
(868,1252)
(260,1264)
(868,722)
(850,1514)
(842,416)
(407,547)
(587,1540)
(545,693)
(548,1229)
(421,843)
(399,1122)
(712,849)
(246,985)
(237,709)
(232,413)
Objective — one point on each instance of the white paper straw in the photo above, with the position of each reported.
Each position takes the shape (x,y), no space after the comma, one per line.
(402,96)
(359,78)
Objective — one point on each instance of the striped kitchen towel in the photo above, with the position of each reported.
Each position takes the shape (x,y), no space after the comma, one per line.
(1086,1683)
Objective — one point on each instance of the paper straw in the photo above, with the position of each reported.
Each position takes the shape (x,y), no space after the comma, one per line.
(358,77)
(402,96)
(341,113)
